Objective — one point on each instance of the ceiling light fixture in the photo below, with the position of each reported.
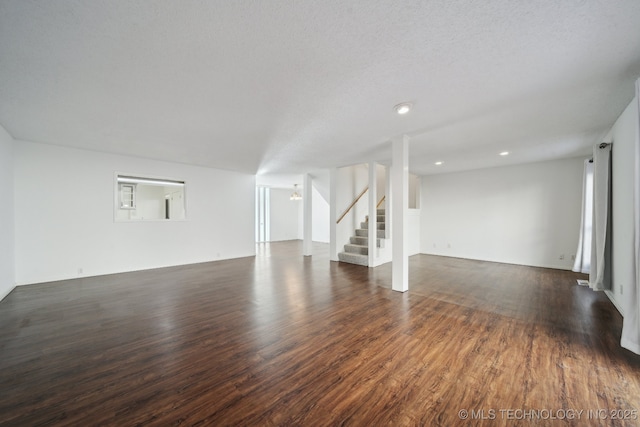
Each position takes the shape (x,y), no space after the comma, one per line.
(504,153)
(403,108)
(438,163)
(295,195)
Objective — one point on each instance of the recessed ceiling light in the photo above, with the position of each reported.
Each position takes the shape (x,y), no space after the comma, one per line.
(504,153)
(438,163)
(403,108)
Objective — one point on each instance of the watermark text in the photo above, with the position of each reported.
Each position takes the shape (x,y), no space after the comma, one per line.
(547,414)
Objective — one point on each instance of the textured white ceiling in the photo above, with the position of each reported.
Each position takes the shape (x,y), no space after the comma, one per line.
(293,86)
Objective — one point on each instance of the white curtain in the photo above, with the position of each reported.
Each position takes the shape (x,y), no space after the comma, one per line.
(583,254)
(600,274)
(631,322)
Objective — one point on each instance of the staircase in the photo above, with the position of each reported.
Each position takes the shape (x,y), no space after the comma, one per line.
(357,250)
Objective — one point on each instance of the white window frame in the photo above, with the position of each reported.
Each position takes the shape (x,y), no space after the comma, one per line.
(131,202)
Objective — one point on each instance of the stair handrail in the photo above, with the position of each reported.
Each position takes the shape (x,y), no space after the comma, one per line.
(352,204)
(356,201)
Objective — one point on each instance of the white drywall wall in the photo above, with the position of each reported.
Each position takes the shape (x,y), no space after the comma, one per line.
(623,136)
(319,217)
(414,191)
(414,226)
(527,214)
(381,184)
(7,276)
(284,215)
(64,215)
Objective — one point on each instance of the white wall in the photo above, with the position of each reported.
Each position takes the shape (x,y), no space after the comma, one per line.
(414,227)
(64,216)
(7,276)
(287,216)
(284,215)
(525,214)
(319,218)
(381,184)
(414,191)
(623,136)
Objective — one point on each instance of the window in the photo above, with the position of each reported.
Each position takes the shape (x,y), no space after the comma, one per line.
(147,198)
(127,196)
(263,201)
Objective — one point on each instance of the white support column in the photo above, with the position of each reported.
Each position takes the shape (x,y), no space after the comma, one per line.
(333,215)
(373,216)
(307,195)
(387,203)
(399,212)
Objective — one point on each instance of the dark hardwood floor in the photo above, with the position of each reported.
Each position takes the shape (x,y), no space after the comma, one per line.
(282,339)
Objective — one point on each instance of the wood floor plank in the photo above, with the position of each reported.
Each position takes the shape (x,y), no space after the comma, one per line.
(282,339)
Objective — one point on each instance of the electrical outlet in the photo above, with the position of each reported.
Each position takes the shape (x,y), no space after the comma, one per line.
(573,257)
(79,271)
(621,289)
(561,256)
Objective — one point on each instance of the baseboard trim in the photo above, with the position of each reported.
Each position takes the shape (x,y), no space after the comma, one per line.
(549,266)
(609,294)
(110,273)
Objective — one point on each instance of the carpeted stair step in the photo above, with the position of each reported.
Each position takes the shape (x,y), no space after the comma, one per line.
(361,240)
(352,258)
(379,225)
(356,249)
(380,234)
